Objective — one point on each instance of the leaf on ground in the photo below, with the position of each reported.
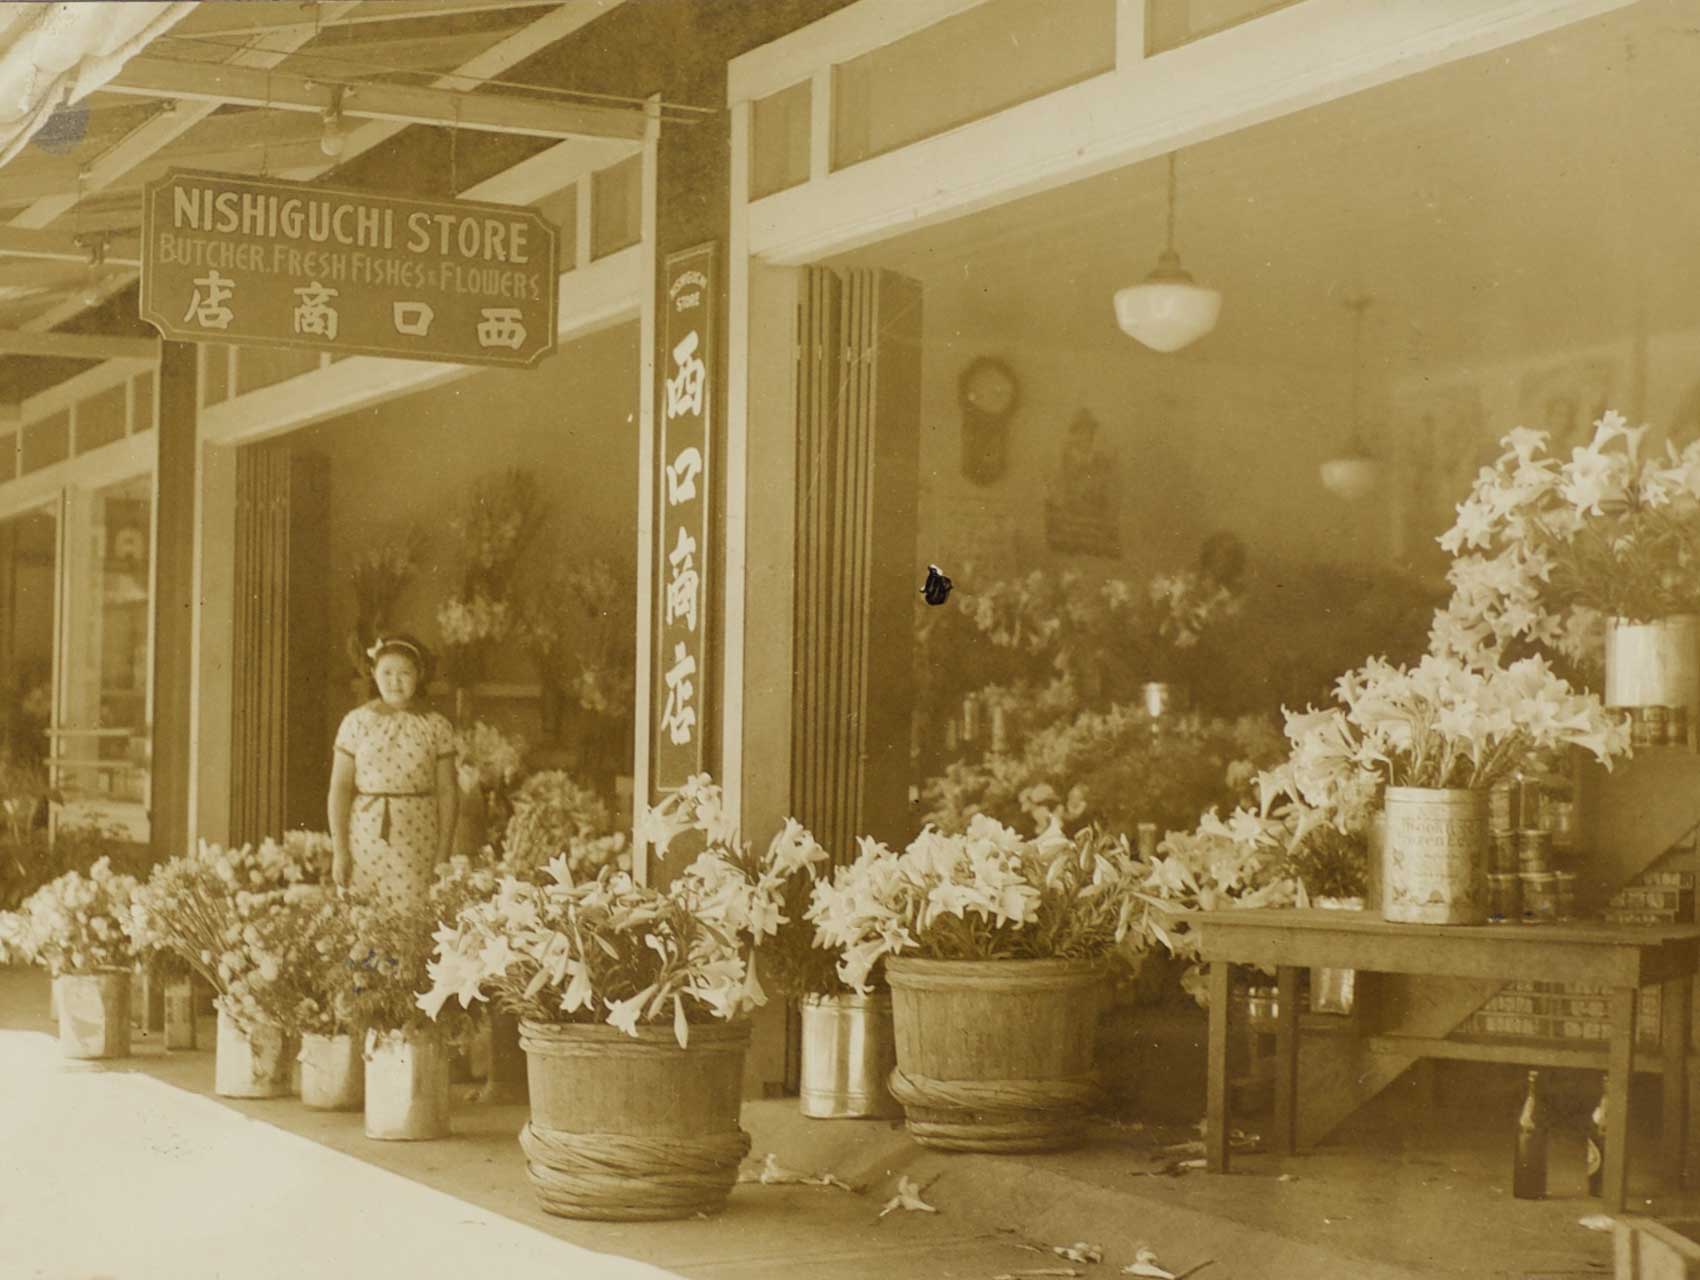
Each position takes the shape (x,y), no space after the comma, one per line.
(1145,1264)
(1079,1251)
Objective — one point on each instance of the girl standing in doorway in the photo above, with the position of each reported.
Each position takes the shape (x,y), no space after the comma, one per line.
(393,793)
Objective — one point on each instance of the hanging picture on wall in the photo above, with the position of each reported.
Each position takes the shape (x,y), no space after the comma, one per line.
(1565,400)
(1083,505)
(1445,440)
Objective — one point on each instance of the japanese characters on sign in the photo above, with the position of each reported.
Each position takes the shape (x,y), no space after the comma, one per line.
(274,263)
(682,501)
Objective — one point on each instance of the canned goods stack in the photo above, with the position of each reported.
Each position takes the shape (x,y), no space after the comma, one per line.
(1658,726)
(1505,897)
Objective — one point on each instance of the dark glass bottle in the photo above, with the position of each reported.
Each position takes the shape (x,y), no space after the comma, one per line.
(1597,1149)
(1529,1173)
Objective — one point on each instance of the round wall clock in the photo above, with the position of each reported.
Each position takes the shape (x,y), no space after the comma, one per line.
(988,394)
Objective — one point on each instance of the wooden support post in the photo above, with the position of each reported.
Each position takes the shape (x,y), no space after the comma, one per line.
(1675,1010)
(1216,1104)
(1286,1060)
(1623,1005)
(176,479)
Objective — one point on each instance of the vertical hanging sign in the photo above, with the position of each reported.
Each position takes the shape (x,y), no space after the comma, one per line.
(682,529)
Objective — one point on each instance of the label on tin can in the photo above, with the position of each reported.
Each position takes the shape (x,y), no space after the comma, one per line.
(1657,722)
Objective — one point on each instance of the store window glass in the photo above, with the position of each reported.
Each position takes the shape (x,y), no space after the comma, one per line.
(28,562)
(103,728)
(1172,23)
(46,442)
(979,62)
(616,207)
(779,150)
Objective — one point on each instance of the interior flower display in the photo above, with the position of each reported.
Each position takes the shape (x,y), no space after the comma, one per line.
(1546,549)
(554,814)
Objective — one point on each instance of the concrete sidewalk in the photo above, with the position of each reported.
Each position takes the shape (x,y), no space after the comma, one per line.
(1390,1199)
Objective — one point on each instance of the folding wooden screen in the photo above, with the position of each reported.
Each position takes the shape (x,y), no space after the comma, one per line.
(858,429)
(280,646)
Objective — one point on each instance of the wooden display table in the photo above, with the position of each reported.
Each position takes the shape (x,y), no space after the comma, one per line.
(1622,957)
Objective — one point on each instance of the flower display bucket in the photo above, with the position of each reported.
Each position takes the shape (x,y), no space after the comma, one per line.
(94,1014)
(631,1129)
(333,1072)
(180,1015)
(1334,990)
(849,1049)
(1654,664)
(407,1085)
(1434,856)
(252,1061)
(996,1055)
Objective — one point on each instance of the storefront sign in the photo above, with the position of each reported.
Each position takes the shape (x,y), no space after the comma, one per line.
(271,263)
(682,492)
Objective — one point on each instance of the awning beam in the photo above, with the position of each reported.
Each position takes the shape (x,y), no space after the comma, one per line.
(77,346)
(153,77)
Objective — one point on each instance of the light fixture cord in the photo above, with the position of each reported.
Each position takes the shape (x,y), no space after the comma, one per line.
(1170,239)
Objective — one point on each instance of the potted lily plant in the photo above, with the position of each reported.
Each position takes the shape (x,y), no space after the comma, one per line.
(82,929)
(631,1003)
(997,949)
(1597,557)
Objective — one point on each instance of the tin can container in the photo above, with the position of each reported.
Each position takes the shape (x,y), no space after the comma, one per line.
(1641,729)
(1657,722)
(1503,857)
(1531,804)
(1564,887)
(1534,851)
(1540,897)
(1505,898)
(1147,835)
(1566,830)
(1676,728)
(1502,808)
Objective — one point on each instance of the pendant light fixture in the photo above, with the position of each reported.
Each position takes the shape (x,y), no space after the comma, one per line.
(1354,473)
(1167,310)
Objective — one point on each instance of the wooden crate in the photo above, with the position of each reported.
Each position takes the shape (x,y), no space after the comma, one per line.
(1649,1250)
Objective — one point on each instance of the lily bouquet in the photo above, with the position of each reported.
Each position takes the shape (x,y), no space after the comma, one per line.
(78,923)
(1444,722)
(1547,549)
(486,759)
(986,894)
(764,898)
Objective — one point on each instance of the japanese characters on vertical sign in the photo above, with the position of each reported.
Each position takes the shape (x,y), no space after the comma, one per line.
(682,525)
(255,260)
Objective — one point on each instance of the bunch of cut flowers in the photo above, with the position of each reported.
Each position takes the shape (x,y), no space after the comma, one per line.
(763,897)
(486,759)
(554,814)
(281,950)
(986,894)
(387,965)
(78,923)
(1547,549)
(1445,722)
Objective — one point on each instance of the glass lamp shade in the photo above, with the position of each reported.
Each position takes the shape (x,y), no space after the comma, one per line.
(1352,477)
(1166,310)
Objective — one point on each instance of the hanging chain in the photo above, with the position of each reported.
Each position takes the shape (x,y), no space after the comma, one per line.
(1170,239)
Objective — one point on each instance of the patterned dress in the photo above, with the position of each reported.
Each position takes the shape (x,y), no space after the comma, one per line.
(392,831)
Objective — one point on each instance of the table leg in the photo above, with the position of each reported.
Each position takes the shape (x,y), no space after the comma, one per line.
(1618,1074)
(1675,1005)
(1216,1101)
(1286,1060)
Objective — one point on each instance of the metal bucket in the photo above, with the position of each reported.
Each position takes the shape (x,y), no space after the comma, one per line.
(333,1073)
(849,1049)
(1434,862)
(1334,990)
(94,1014)
(407,1085)
(1654,664)
(252,1061)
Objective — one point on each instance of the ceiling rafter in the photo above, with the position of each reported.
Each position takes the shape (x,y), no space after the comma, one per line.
(243,18)
(77,346)
(163,128)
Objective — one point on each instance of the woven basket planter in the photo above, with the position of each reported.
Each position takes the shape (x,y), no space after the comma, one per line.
(996,1055)
(631,1129)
